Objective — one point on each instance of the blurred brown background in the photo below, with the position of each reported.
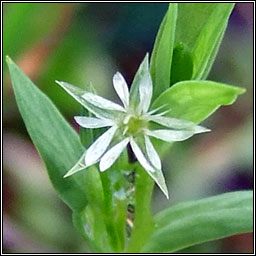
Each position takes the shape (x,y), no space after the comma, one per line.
(87,42)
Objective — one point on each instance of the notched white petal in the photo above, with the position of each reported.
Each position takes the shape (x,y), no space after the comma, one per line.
(152,154)
(170,135)
(155,173)
(172,122)
(111,156)
(200,129)
(145,90)
(77,93)
(140,156)
(101,102)
(121,88)
(158,177)
(177,123)
(97,149)
(91,122)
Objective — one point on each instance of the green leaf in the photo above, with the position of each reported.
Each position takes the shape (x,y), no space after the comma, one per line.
(161,59)
(79,219)
(191,223)
(182,64)
(196,100)
(209,40)
(201,26)
(56,141)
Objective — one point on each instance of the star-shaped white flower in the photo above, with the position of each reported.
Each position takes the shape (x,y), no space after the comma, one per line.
(131,123)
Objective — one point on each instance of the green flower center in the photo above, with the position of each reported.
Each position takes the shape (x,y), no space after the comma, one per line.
(134,125)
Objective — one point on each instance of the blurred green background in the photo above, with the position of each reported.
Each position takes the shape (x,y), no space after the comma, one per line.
(89,42)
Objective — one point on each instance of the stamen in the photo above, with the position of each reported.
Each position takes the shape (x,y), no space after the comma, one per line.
(163,113)
(127,119)
(155,110)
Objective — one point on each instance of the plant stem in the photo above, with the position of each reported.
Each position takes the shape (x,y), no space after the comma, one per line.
(109,215)
(143,222)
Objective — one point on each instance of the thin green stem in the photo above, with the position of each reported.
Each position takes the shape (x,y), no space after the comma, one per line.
(109,214)
(143,222)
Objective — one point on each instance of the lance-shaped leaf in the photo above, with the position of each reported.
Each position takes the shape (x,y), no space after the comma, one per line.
(200,27)
(161,60)
(195,222)
(56,141)
(196,100)
(208,42)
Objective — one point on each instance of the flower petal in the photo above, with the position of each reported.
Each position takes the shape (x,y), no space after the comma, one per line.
(101,102)
(77,93)
(170,135)
(110,157)
(97,149)
(79,166)
(200,129)
(121,88)
(140,156)
(141,89)
(158,177)
(155,174)
(91,122)
(146,90)
(152,154)
(171,122)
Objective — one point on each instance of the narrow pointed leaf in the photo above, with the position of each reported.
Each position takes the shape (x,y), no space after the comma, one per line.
(56,141)
(196,100)
(209,40)
(161,59)
(201,32)
(194,222)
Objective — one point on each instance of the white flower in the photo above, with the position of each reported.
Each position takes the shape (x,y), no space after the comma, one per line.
(131,123)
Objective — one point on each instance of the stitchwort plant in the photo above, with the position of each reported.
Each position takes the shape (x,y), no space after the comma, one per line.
(107,174)
(130,123)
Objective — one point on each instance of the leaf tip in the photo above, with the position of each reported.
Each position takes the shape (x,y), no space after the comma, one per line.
(242,90)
